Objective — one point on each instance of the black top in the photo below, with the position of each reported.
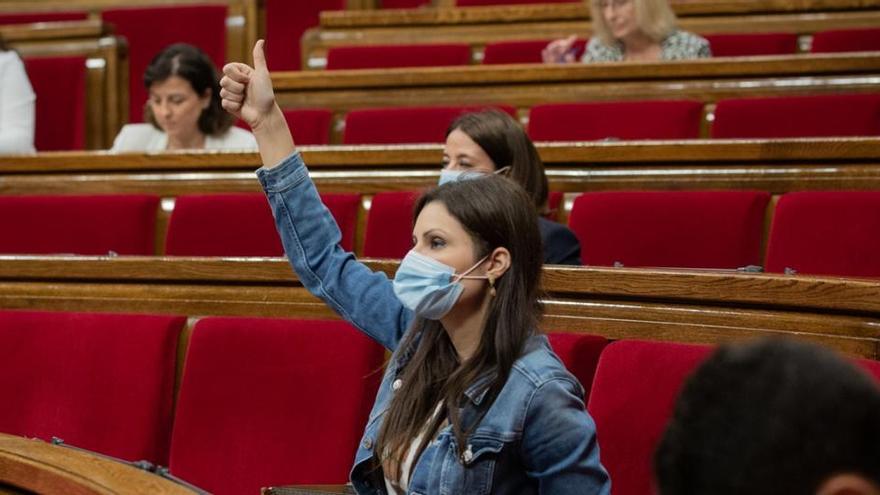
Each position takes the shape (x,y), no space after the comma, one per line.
(561,246)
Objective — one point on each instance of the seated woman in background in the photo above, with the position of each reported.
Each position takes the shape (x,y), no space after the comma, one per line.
(17,101)
(631,30)
(490,142)
(473,400)
(183,109)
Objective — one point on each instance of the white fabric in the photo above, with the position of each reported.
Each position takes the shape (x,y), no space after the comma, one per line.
(17,102)
(145,137)
(406,468)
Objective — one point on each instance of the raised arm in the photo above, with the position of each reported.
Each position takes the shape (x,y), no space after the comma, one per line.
(307,229)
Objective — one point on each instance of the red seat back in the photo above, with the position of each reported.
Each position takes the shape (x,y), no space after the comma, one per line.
(403,4)
(846,40)
(272,402)
(404,125)
(60,115)
(31,17)
(286,23)
(103,382)
(522,52)
(389,225)
(242,224)
(85,225)
(740,45)
(826,233)
(633,395)
(382,56)
(580,354)
(871,366)
(695,229)
(798,116)
(149,30)
(669,119)
(309,125)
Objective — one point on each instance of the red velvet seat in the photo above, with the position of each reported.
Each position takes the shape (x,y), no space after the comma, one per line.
(404,124)
(477,3)
(86,225)
(826,233)
(798,116)
(633,395)
(871,366)
(746,44)
(386,56)
(31,17)
(659,119)
(272,402)
(309,125)
(286,23)
(522,52)
(580,354)
(846,40)
(150,29)
(389,225)
(60,115)
(403,4)
(242,224)
(103,382)
(694,229)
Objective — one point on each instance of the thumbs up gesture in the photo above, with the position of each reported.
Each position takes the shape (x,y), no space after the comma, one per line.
(246,92)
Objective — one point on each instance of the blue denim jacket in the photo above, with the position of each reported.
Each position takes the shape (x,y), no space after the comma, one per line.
(536,437)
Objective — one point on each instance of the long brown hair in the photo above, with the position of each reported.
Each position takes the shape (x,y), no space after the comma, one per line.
(495,212)
(508,145)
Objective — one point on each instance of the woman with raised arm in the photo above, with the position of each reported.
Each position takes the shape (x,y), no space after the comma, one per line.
(473,399)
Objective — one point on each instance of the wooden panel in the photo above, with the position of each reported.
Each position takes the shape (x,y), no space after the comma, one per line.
(106,64)
(40,467)
(679,305)
(479,26)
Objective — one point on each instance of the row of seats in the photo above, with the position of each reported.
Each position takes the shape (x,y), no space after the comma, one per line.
(529,51)
(827,233)
(267,402)
(768,117)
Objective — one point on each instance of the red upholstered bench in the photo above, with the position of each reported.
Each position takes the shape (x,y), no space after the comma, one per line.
(657,119)
(522,52)
(286,22)
(633,395)
(470,3)
(580,354)
(826,233)
(404,124)
(693,229)
(103,382)
(268,402)
(389,224)
(309,125)
(798,116)
(86,225)
(746,44)
(60,115)
(242,224)
(384,56)
(846,40)
(150,29)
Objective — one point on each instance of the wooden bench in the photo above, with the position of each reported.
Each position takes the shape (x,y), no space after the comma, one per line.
(478,26)
(523,86)
(106,68)
(776,166)
(673,305)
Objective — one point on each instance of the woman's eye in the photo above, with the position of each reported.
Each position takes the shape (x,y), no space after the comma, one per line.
(437,242)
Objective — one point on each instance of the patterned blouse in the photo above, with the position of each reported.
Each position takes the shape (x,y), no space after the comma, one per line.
(680,45)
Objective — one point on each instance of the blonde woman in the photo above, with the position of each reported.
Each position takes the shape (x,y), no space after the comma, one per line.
(631,30)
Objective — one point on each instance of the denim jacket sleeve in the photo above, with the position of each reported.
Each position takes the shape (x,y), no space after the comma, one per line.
(559,443)
(311,238)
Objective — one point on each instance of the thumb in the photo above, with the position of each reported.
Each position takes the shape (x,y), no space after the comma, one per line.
(260,56)
(571,40)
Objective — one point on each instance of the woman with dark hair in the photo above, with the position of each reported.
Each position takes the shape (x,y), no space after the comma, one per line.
(183,109)
(17,103)
(490,142)
(473,399)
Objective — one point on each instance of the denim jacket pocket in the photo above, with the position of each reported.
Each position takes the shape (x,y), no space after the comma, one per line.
(473,471)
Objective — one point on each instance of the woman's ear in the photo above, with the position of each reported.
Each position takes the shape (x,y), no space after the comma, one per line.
(206,98)
(848,484)
(499,262)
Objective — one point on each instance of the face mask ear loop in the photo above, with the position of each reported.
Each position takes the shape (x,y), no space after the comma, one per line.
(503,171)
(469,270)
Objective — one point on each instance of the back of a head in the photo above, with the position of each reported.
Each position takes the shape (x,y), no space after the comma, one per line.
(505,141)
(770,417)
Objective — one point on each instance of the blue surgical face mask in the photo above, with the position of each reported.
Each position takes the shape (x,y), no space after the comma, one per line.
(427,287)
(456,175)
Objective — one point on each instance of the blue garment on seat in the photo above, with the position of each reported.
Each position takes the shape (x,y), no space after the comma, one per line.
(536,437)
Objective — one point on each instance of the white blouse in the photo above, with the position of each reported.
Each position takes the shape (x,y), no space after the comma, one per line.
(17,102)
(145,137)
